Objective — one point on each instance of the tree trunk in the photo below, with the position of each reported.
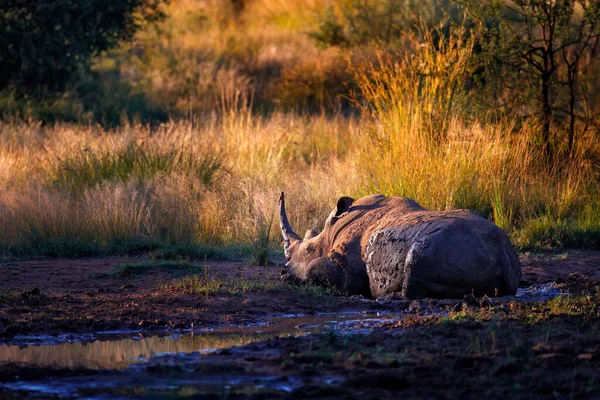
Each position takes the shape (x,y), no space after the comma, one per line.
(572,95)
(546,115)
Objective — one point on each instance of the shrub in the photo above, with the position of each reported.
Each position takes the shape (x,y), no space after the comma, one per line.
(43,43)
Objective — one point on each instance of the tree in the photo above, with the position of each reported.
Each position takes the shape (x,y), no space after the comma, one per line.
(544,46)
(43,43)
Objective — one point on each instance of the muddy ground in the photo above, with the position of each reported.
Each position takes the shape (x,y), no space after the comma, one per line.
(85,295)
(471,349)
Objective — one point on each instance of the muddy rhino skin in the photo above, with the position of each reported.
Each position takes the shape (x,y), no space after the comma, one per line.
(378,245)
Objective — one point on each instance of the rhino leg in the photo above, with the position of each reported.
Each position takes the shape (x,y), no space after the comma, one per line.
(323,272)
(385,262)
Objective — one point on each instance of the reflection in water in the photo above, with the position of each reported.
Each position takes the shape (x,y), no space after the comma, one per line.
(120,350)
(102,351)
(118,354)
(163,376)
(108,353)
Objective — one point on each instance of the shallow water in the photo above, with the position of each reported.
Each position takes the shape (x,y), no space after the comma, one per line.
(118,350)
(543,292)
(131,386)
(132,351)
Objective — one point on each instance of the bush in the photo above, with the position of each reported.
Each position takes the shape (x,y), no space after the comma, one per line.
(43,43)
(350,23)
(358,22)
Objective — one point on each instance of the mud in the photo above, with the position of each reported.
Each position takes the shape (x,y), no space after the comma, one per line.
(284,343)
(72,296)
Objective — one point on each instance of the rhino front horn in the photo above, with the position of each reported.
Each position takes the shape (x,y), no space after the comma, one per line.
(286,229)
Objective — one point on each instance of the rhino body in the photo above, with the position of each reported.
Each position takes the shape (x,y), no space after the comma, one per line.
(378,245)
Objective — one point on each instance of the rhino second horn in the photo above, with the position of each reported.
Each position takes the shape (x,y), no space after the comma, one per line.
(286,229)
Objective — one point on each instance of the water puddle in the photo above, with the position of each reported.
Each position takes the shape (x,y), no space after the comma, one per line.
(139,361)
(128,386)
(118,350)
(543,292)
(122,359)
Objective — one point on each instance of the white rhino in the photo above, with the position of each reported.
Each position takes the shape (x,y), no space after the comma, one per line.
(378,245)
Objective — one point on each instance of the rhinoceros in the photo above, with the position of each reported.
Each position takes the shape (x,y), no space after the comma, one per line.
(378,245)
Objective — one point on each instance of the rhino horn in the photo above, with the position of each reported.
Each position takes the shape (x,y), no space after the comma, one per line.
(286,229)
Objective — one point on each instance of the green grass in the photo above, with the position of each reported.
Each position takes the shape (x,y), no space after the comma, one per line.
(548,233)
(154,248)
(584,306)
(207,284)
(199,251)
(135,161)
(261,242)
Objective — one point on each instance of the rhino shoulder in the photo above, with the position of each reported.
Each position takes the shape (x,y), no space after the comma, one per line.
(368,200)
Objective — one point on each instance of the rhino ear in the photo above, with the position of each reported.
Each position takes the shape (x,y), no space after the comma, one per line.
(343,205)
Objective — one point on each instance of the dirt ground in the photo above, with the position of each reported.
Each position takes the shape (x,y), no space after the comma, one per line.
(543,350)
(66,295)
(71,296)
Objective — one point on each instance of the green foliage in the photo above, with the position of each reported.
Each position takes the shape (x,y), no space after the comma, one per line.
(98,97)
(63,107)
(105,96)
(349,23)
(358,22)
(135,161)
(43,43)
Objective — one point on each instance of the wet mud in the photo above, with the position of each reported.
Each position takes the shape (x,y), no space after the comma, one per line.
(279,343)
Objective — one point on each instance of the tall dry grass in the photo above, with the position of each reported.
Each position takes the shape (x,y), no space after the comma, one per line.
(58,199)
(184,64)
(422,144)
(88,190)
(213,178)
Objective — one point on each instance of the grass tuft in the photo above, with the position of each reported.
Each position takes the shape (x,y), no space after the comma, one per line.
(89,168)
(261,242)
(206,284)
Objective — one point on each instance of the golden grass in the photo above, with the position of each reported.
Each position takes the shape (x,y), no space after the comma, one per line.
(422,146)
(214,176)
(485,167)
(257,158)
(204,48)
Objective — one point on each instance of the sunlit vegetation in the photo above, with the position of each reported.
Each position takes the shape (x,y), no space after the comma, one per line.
(184,137)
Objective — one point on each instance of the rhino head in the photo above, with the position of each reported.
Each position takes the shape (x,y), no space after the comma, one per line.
(308,258)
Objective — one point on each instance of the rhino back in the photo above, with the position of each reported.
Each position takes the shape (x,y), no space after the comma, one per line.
(369,214)
(441,254)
